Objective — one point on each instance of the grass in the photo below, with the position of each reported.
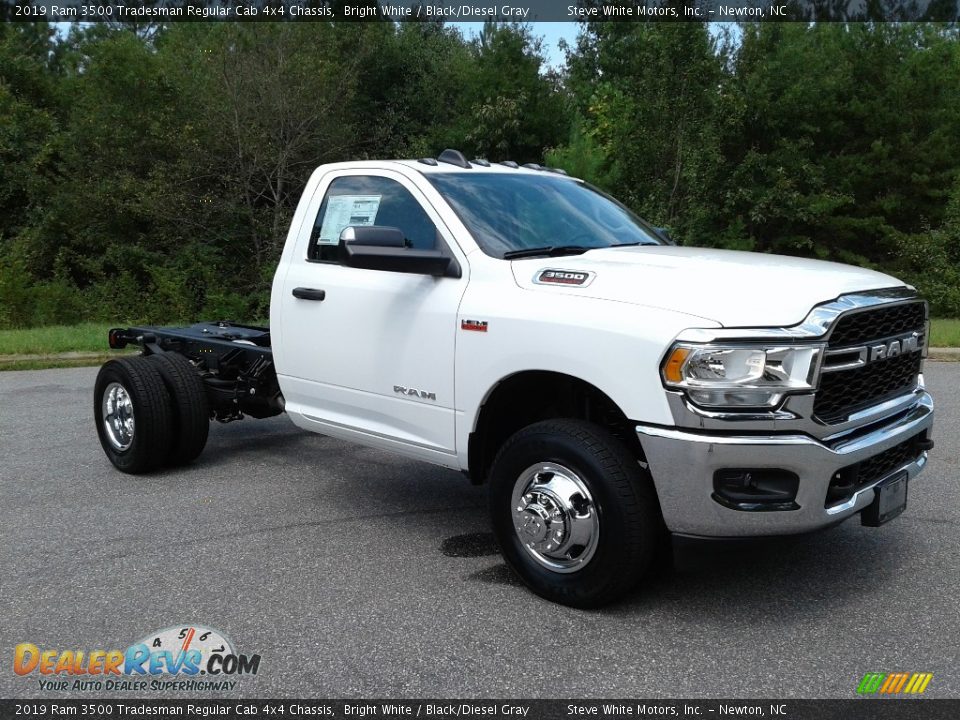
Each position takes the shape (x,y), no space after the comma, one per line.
(945,333)
(87,337)
(46,363)
(92,338)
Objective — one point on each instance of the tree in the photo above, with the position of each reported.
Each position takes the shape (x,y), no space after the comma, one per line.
(836,136)
(648,94)
(516,110)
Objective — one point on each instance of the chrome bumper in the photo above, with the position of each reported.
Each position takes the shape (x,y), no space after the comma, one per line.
(683,463)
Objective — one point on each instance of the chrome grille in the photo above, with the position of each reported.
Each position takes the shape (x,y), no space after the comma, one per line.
(844,392)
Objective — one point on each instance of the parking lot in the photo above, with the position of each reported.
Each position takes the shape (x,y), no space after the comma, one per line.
(354,573)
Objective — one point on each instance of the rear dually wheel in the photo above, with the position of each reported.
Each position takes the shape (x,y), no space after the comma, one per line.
(133,414)
(191,410)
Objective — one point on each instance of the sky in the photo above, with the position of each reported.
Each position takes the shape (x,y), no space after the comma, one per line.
(551,32)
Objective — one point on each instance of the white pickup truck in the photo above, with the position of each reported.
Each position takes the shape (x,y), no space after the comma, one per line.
(528,330)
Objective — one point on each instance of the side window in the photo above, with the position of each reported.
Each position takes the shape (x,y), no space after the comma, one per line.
(360,200)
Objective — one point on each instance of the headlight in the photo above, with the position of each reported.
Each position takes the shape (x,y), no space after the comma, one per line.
(740,376)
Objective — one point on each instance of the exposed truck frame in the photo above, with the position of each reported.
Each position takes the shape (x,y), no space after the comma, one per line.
(235,363)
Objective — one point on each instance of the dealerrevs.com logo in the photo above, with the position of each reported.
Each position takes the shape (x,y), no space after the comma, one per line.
(183,657)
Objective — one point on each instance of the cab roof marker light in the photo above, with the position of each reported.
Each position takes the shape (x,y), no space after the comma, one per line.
(454,157)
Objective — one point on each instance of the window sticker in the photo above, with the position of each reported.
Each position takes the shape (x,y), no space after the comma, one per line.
(346,211)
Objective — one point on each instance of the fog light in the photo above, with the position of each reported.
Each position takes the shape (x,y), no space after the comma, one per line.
(756,489)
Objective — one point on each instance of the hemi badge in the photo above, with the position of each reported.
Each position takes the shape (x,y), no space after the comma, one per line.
(475,325)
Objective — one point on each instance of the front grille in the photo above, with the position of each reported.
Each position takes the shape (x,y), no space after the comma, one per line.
(847,391)
(861,327)
(842,393)
(847,481)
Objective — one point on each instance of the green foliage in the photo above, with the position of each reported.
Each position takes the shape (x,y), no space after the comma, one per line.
(149,173)
(945,333)
(515,109)
(647,92)
(836,136)
(83,337)
(934,267)
(16,292)
(931,261)
(834,141)
(581,157)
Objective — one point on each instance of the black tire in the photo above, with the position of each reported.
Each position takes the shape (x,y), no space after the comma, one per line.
(151,432)
(191,409)
(630,526)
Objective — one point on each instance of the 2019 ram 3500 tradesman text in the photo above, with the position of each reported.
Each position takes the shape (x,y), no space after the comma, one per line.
(530,331)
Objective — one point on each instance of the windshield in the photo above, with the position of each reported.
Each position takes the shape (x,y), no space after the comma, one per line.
(509,213)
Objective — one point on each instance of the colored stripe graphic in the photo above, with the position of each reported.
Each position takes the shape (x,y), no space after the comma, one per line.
(870,683)
(894,683)
(922,685)
(888,683)
(913,683)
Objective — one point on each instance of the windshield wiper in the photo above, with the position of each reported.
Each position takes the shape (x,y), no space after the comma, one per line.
(548,251)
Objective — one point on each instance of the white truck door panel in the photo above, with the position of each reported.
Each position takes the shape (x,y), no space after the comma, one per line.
(375,356)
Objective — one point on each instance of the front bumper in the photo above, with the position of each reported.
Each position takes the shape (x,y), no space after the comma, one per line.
(683,463)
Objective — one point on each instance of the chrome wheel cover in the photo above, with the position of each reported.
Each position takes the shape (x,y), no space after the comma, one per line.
(555,517)
(116,408)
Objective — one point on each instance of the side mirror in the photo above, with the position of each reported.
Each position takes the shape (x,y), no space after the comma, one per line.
(373,236)
(377,247)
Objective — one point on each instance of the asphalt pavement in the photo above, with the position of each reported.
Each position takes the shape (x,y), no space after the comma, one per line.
(355,573)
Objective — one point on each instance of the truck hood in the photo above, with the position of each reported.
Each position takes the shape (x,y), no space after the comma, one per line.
(729,287)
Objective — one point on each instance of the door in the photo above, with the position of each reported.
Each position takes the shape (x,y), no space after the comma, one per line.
(369,354)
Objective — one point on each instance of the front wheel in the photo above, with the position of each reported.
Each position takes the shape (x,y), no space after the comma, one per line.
(575,515)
